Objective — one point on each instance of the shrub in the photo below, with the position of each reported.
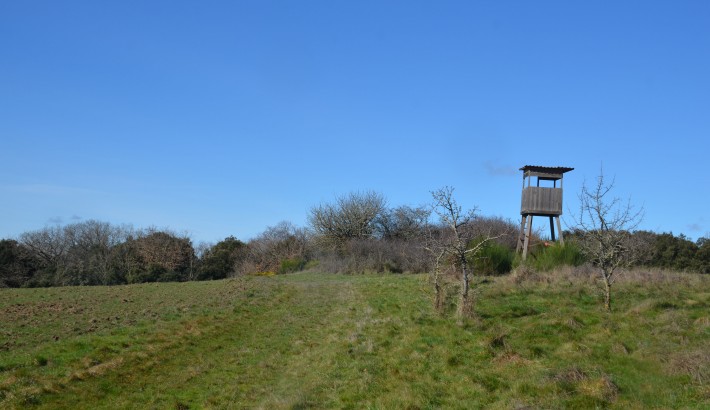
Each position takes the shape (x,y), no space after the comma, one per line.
(493,259)
(556,255)
(292,265)
(220,260)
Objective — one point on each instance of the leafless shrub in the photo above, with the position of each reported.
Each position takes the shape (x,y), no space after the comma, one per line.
(247,266)
(503,231)
(403,223)
(351,216)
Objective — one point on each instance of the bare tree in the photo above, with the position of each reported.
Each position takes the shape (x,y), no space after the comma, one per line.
(438,251)
(604,224)
(454,242)
(351,217)
(76,254)
(89,257)
(49,244)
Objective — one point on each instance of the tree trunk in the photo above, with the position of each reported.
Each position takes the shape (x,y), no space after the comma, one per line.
(607,294)
(464,290)
(438,297)
(466,308)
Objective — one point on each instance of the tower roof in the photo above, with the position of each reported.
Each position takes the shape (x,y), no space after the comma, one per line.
(545,170)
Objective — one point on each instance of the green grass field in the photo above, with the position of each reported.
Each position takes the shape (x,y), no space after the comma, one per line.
(314,340)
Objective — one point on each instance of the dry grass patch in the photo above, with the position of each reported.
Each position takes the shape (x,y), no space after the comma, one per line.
(702,322)
(570,375)
(695,364)
(601,388)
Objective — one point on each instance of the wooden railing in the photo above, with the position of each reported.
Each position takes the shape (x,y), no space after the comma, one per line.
(544,201)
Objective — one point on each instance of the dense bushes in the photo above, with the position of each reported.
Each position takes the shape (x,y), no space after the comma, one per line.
(677,252)
(95,253)
(392,240)
(659,250)
(218,261)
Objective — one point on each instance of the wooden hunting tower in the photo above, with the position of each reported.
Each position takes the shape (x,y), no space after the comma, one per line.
(540,201)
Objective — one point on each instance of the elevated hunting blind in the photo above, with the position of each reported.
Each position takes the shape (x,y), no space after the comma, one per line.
(539,200)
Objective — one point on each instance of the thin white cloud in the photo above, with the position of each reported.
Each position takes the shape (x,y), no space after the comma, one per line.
(499,170)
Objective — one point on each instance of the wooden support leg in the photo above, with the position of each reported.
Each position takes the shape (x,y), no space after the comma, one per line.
(521,234)
(552,229)
(559,230)
(528,232)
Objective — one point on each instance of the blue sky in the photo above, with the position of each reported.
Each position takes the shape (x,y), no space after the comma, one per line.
(222,118)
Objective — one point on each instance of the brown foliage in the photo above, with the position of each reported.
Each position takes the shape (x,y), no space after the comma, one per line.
(165,250)
(276,245)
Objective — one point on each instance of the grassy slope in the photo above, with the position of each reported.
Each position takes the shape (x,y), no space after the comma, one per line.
(310,340)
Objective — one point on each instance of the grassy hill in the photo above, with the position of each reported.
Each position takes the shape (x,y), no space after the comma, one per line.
(333,341)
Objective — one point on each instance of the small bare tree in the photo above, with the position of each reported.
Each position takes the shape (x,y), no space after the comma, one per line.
(438,251)
(453,241)
(604,224)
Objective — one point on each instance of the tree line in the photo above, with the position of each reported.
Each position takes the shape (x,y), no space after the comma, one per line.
(355,233)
